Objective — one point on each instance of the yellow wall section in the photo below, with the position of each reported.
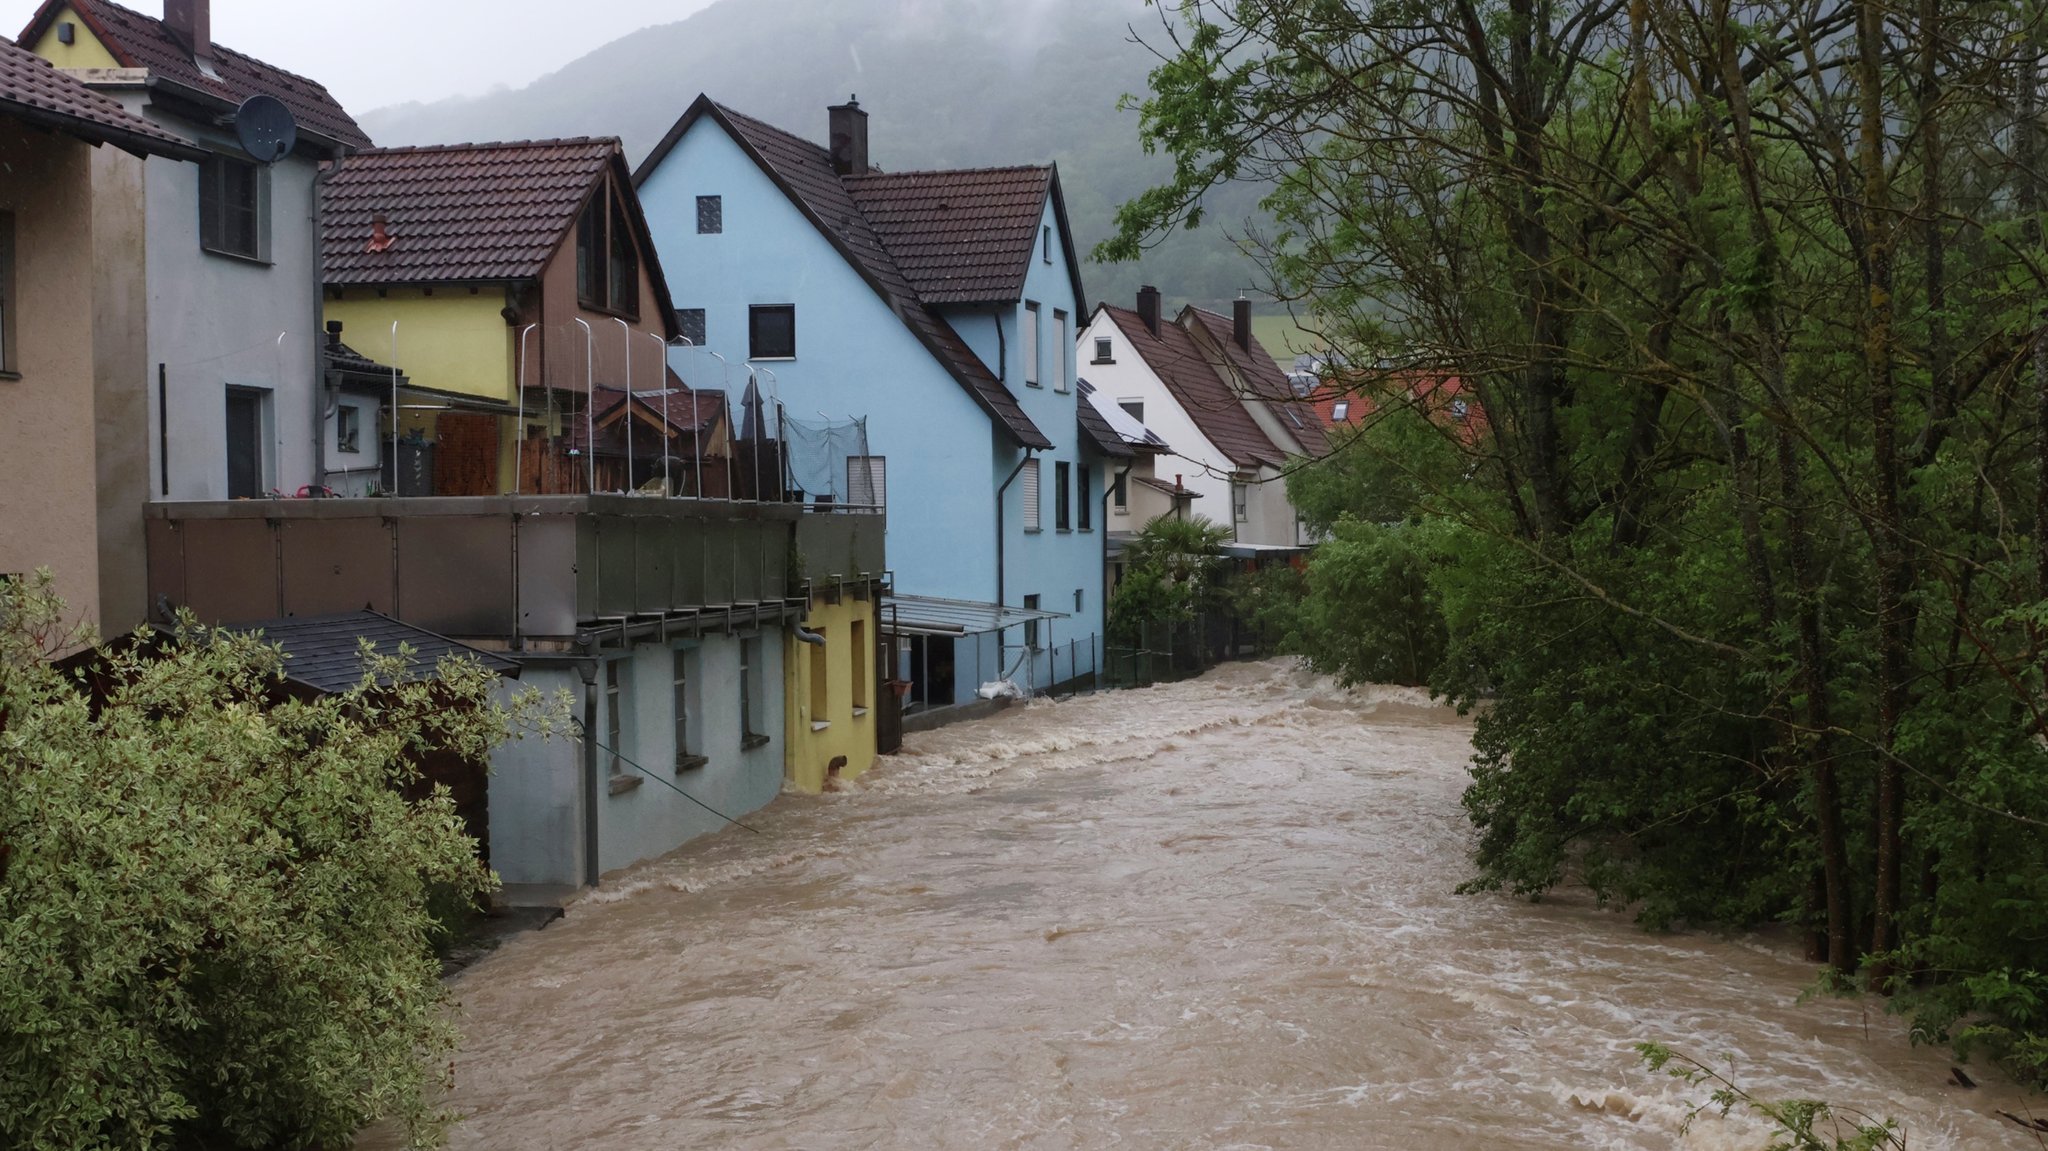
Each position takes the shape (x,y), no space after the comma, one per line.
(810,753)
(85,51)
(450,340)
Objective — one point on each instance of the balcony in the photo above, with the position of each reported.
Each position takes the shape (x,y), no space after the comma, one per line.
(516,571)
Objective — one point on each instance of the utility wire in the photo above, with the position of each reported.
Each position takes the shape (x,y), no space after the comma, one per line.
(617,754)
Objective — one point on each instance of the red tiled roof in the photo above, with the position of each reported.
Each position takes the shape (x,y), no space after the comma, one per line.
(30,89)
(1267,381)
(960,237)
(462,212)
(805,171)
(1207,399)
(139,41)
(689,412)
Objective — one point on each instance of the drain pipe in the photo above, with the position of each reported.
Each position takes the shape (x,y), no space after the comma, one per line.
(1001,570)
(587,669)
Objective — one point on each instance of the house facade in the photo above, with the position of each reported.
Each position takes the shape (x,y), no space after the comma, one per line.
(941,305)
(516,285)
(1205,386)
(69,371)
(224,402)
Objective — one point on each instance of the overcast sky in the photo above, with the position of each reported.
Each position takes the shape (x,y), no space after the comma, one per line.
(371,53)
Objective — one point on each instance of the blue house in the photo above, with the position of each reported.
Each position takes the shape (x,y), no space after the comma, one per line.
(941,305)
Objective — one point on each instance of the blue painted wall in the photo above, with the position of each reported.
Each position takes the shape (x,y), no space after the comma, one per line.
(946,457)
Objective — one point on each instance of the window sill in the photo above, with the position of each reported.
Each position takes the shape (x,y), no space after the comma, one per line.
(621,784)
(593,306)
(1066,531)
(1121,512)
(771,359)
(11,377)
(691,763)
(1034,531)
(754,743)
(821,725)
(860,713)
(1099,362)
(1034,384)
(239,257)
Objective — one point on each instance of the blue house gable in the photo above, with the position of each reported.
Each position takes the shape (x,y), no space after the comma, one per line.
(942,306)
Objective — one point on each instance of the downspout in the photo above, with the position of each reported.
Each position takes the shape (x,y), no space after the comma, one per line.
(588,670)
(1002,348)
(325,399)
(1000,567)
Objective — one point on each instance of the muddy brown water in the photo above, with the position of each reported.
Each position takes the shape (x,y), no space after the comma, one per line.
(1216,914)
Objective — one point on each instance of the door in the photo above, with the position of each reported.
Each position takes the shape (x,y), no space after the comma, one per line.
(245,444)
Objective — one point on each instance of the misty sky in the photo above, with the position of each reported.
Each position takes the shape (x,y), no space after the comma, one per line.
(371,53)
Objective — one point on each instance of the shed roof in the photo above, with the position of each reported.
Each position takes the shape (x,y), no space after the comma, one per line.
(140,41)
(462,212)
(325,652)
(1199,390)
(804,171)
(32,90)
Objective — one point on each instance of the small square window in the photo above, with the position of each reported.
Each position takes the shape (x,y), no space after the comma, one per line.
(1341,412)
(710,215)
(771,332)
(690,323)
(1460,409)
(1104,351)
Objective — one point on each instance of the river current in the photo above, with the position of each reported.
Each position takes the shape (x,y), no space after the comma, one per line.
(1215,914)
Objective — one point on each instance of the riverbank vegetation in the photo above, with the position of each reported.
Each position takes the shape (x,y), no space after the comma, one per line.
(1705,349)
(214,896)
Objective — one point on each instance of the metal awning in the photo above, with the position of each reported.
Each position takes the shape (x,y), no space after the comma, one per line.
(931,615)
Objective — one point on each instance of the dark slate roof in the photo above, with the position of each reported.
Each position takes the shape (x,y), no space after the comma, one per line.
(32,90)
(463,212)
(805,173)
(140,41)
(322,652)
(960,237)
(1200,391)
(1268,381)
(341,357)
(1105,436)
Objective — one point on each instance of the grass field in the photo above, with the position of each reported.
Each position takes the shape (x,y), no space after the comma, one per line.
(1283,338)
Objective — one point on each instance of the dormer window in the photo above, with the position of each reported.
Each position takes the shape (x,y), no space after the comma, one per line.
(607,263)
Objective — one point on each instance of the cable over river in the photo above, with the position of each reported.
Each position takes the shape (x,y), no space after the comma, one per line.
(1216,914)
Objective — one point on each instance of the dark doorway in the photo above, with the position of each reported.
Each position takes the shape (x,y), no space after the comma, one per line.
(931,670)
(245,444)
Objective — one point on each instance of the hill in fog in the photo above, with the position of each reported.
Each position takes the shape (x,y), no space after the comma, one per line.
(948,83)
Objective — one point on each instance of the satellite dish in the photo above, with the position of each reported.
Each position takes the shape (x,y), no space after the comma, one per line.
(266,128)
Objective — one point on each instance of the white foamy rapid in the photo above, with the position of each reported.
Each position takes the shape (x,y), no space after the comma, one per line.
(1213,914)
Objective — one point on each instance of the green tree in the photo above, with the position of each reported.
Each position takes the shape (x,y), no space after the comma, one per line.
(213,899)
(1174,572)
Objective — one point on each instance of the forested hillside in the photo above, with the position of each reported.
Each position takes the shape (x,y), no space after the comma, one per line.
(949,83)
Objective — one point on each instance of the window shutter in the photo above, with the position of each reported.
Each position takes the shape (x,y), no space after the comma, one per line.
(1032,517)
(867,481)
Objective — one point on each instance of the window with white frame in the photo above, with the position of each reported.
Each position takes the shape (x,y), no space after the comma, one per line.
(1105,350)
(1031,373)
(1032,512)
(867,481)
(1342,412)
(1240,500)
(348,429)
(1059,351)
(1120,494)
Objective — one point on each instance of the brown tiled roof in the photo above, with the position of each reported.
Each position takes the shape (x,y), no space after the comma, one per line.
(805,172)
(463,212)
(689,412)
(1267,382)
(30,89)
(960,237)
(1207,399)
(139,41)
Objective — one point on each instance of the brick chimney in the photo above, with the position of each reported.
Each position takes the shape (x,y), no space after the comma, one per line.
(849,138)
(1241,323)
(1148,308)
(192,21)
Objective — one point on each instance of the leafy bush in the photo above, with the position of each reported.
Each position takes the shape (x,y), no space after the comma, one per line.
(213,923)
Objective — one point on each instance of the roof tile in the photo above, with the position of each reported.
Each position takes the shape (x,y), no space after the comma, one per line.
(31,88)
(960,237)
(1267,381)
(1199,390)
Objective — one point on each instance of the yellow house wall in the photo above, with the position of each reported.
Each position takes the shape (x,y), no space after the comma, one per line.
(810,753)
(84,52)
(450,340)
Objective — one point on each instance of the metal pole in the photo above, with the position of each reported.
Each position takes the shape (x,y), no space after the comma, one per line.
(725,387)
(628,329)
(754,383)
(589,402)
(519,433)
(395,485)
(666,436)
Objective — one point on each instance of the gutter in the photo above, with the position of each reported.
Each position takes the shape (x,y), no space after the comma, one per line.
(1001,567)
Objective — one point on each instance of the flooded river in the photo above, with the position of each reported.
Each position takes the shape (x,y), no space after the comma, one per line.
(1216,914)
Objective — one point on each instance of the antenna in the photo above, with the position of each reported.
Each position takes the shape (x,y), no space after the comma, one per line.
(266,128)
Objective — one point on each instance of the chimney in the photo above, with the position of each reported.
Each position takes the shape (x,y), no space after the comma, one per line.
(1241,323)
(849,138)
(333,335)
(1148,308)
(192,21)
(380,233)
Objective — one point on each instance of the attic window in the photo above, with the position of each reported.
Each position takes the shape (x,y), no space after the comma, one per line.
(690,322)
(1104,351)
(1341,412)
(67,33)
(710,215)
(1047,244)
(1460,409)
(607,261)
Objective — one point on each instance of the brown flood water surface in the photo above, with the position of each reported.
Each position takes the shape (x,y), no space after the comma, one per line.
(1217,914)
